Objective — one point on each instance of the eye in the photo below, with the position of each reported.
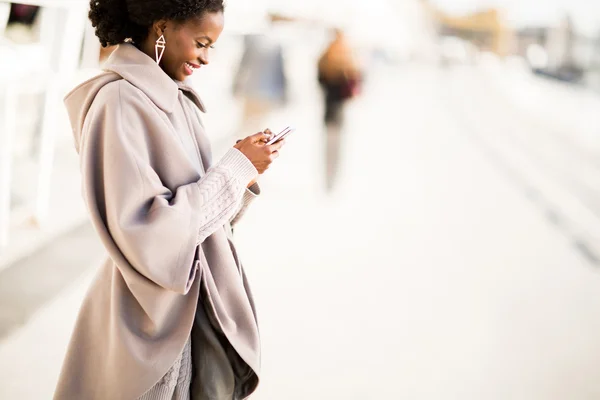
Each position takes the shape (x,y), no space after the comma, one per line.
(203,46)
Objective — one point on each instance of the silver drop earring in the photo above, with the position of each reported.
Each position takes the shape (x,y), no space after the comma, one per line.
(160,46)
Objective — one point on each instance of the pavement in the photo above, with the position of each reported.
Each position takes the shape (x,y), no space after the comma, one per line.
(428,274)
(428,271)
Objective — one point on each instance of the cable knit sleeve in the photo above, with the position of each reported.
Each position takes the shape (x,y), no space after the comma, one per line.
(224,196)
(249,196)
(154,227)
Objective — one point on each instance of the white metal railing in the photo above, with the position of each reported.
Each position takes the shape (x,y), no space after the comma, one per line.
(63,29)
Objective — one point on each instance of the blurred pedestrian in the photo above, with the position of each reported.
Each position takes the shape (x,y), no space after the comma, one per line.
(260,81)
(340,77)
(170,314)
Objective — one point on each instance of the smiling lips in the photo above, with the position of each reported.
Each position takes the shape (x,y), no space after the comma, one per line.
(193,66)
(190,67)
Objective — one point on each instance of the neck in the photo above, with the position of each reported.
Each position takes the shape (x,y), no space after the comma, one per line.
(147,46)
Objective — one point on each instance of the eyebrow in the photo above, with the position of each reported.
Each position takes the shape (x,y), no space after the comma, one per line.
(207,38)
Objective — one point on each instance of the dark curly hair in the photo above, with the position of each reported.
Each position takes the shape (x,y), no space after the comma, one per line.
(117,21)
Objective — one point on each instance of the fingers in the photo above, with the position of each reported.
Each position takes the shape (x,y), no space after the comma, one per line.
(277,146)
(260,136)
(268,136)
(254,148)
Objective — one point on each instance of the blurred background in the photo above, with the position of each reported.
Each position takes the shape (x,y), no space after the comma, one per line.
(431,231)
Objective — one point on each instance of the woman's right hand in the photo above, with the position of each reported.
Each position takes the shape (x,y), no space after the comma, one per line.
(255,149)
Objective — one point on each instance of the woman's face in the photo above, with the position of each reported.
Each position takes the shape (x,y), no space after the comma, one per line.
(188,44)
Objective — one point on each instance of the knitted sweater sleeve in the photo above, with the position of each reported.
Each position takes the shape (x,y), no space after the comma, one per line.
(249,196)
(148,226)
(224,195)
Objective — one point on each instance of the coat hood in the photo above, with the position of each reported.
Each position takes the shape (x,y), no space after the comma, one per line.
(134,66)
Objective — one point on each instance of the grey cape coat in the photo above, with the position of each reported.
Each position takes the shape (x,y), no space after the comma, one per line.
(163,213)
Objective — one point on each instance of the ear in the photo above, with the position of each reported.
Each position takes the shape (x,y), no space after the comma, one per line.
(159,27)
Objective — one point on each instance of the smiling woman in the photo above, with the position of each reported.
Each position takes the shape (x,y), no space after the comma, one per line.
(185,33)
(170,314)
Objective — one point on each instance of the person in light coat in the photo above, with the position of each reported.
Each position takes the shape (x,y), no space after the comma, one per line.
(170,314)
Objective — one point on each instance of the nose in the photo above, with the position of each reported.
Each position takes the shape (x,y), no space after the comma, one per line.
(203,58)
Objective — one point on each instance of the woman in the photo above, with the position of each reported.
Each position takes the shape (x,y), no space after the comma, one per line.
(170,314)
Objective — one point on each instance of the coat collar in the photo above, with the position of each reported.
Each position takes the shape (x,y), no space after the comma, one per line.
(141,71)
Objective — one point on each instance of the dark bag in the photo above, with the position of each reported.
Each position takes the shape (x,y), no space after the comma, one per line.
(341,90)
(350,88)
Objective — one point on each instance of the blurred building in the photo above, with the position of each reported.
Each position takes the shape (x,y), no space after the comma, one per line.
(566,55)
(485,29)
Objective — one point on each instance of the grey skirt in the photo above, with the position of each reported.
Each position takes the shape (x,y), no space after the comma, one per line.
(207,369)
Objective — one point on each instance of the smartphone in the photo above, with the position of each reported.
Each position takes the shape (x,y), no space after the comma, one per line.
(281,135)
